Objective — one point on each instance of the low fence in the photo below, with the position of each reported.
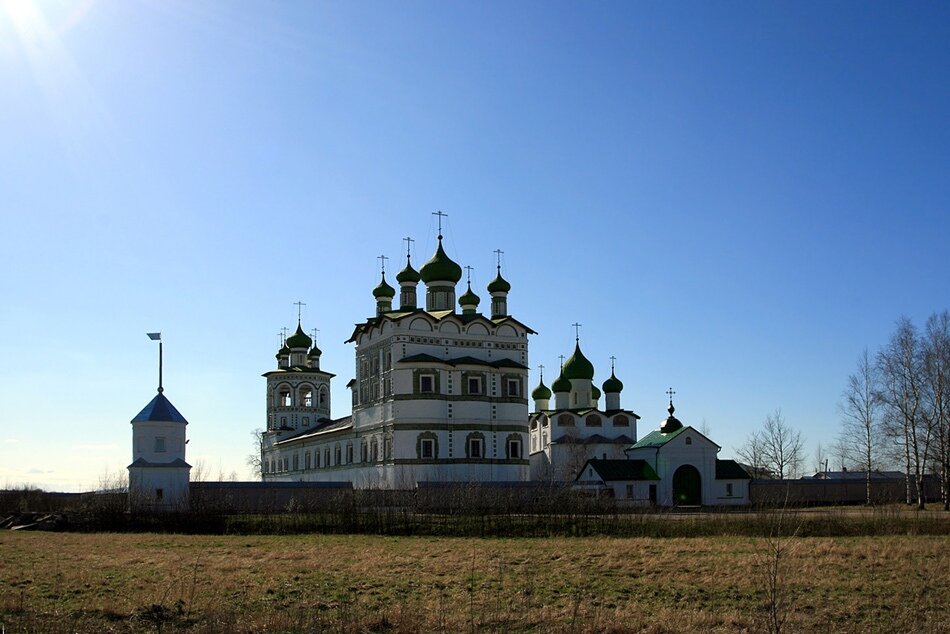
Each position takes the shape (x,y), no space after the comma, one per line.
(837,491)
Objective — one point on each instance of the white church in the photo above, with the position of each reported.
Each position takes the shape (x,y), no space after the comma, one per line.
(440,396)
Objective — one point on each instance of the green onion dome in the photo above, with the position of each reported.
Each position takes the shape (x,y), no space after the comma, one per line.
(561,384)
(499,284)
(408,274)
(613,384)
(594,393)
(578,367)
(314,352)
(283,352)
(469,298)
(440,268)
(541,392)
(299,339)
(384,290)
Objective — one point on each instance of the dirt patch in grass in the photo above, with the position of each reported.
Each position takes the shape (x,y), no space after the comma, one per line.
(147,582)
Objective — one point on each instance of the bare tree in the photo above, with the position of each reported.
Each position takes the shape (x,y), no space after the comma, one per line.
(783,447)
(901,366)
(751,453)
(860,412)
(776,450)
(255,460)
(936,365)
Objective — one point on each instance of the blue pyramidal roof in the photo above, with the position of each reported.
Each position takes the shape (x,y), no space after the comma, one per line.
(160,409)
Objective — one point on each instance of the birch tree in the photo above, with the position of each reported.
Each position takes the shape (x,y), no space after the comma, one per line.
(860,411)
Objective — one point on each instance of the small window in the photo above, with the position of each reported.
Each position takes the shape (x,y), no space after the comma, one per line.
(474,385)
(593,420)
(307,398)
(159,494)
(565,420)
(160,444)
(689,441)
(337,455)
(296,462)
(729,489)
(514,387)
(349,453)
(427,384)
(306,460)
(621,421)
(285,398)
(630,491)
(514,448)
(427,449)
(306,421)
(363,452)
(475,448)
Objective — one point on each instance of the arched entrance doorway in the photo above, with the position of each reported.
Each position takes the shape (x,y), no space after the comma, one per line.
(687,486)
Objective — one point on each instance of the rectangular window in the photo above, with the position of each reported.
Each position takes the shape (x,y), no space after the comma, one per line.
(474,385)
(160,444)
(629,490)
(427,384)
(514,387)
(159,494)
(427,448)
(349,454)
(475,448)
(514,449)
(729,489)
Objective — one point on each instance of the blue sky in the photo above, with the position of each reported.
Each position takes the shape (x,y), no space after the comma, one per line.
(734,199)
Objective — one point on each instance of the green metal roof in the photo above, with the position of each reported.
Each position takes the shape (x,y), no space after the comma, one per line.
(578,367)
(440,267)
(620,470)
(594,392)
(657,438)
(730,470)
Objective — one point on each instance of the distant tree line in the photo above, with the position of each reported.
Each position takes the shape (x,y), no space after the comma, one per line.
(896,408)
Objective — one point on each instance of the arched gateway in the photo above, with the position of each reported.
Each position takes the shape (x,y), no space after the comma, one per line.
(687,486)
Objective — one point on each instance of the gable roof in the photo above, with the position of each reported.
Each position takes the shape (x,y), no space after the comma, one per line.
(730,470)
(620,470)
(160,410)
(658,438)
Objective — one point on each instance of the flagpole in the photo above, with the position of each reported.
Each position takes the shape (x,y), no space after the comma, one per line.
(160,388)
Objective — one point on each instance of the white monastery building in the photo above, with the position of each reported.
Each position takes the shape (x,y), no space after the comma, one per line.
(439,396)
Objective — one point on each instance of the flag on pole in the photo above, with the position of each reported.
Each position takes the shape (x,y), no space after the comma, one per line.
(154,336)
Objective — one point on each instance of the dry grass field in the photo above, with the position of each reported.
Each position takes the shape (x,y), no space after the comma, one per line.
(66,582)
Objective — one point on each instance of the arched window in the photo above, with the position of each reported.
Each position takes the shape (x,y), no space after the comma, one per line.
(565,420)
(284,397)
(324,396)
(593,420)
(374,450)
(337,455)
(621,421)
(689,440)
(306,396)
(363,452)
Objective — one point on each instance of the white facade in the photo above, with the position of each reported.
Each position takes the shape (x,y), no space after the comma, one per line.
(438,395)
